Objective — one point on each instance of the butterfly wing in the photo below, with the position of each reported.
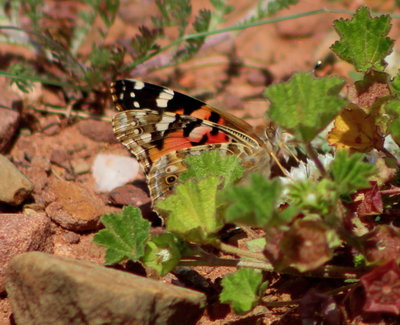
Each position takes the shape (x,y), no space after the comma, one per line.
(134,94)
(160,127)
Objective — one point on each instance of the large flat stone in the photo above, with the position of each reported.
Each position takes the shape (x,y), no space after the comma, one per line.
(46,289)
(20,233)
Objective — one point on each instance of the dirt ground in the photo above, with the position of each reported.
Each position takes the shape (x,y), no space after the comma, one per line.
(59,144)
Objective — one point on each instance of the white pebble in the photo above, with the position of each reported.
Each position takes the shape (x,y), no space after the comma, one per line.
(111,171)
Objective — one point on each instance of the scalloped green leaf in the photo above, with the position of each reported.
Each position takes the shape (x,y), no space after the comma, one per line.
(125,235)
(305,105)
(192,210)
(213,163)
(350,173)
(252,205)
(242,289)
(363,40)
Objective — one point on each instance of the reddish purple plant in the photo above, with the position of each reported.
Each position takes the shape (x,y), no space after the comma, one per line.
(382,288)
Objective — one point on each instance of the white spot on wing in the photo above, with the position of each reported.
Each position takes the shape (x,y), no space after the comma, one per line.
(162,102)
(136,104)
(171,168)
(132,94)
(139,85)
(166,95)
(146,137)
(162,126)
(121,96)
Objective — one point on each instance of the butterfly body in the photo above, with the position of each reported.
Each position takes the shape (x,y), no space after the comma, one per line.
(160,127)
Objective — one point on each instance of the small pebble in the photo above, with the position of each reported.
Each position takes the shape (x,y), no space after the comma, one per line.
(111,171)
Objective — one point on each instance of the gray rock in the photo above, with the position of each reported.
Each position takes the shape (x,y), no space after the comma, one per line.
(45,289)
(20,233)
(14,186)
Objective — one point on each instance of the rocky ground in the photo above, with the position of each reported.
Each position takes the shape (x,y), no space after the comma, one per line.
(51,196)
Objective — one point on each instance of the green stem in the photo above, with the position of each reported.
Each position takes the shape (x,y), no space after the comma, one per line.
(43,81)
(326,271)
(231,29)
(240,252)
(64,112)
(228,262)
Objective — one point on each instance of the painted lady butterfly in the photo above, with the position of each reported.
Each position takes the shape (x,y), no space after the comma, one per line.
(160,127)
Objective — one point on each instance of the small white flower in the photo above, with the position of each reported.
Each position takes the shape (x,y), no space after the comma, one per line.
(307,170)
(164,255)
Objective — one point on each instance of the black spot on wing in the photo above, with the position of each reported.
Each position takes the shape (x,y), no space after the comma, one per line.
(190,126)
(214,131)
(214,117)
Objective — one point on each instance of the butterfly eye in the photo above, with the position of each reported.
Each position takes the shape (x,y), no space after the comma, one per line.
(171,179)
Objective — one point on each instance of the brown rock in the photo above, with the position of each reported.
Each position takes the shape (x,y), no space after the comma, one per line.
(14,186)
(10,116)
(259,77)
(61,158)
(45,289)
(9,121)
(50,125)
(80,166)
(296,28)
(21,233)
(129,194)
(99,131)
(71,237)
(74,208)
(37,175)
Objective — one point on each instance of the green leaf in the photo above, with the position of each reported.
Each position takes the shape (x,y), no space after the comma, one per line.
(145,41)
(393,109)
(256,245)
(305,105)
(125,235)
(221,8)
(252,205)
(192,210)
(242,289)
(363,40)
(212,163)
(350,173)
(173,13)
(22,69)
(162,253)
(193,45)
(313,197)
(395,85)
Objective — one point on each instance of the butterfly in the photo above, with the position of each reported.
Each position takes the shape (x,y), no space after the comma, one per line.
(161,127)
